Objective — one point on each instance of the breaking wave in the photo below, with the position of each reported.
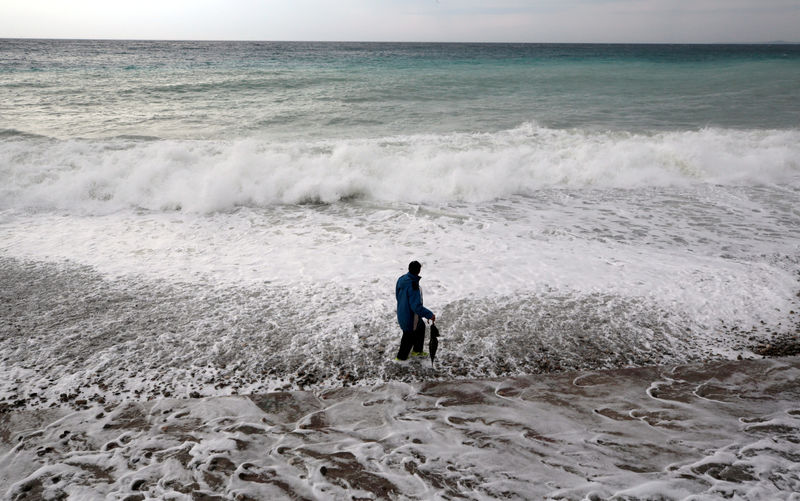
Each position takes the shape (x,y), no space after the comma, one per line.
(215,175)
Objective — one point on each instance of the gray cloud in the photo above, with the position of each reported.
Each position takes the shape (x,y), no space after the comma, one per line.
(410,20)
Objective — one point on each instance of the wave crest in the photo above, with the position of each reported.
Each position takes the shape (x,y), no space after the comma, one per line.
(207,176)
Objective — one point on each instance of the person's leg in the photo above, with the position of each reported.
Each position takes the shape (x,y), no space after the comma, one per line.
(406,342)
(419,337)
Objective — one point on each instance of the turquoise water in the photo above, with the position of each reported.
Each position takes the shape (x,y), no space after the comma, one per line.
(102,89)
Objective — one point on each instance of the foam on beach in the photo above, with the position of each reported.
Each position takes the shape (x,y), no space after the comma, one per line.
(719,430)
(71,334)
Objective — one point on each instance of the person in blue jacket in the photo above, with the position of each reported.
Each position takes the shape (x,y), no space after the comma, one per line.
(410,313)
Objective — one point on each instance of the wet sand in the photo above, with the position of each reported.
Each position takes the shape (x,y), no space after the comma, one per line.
(728,429)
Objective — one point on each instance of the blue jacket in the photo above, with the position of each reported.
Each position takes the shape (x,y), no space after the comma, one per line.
(409,302)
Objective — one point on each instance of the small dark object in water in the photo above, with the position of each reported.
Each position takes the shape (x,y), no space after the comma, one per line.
(433,344)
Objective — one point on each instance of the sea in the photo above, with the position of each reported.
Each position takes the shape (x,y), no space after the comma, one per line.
(209,219)
(248,207)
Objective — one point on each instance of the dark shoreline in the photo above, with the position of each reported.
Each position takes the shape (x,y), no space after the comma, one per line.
(781,345)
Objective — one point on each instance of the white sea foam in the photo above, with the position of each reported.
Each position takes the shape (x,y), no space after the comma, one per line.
(602,271)
(598,435)
(569,278)
(101,176)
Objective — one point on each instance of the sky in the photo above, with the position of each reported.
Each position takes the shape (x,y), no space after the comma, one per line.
(646,21)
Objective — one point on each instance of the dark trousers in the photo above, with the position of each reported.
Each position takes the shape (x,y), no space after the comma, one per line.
(412,339)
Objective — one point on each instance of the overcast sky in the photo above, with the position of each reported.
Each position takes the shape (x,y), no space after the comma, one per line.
(408,20)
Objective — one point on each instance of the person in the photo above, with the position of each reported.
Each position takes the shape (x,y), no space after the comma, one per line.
(410,313)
